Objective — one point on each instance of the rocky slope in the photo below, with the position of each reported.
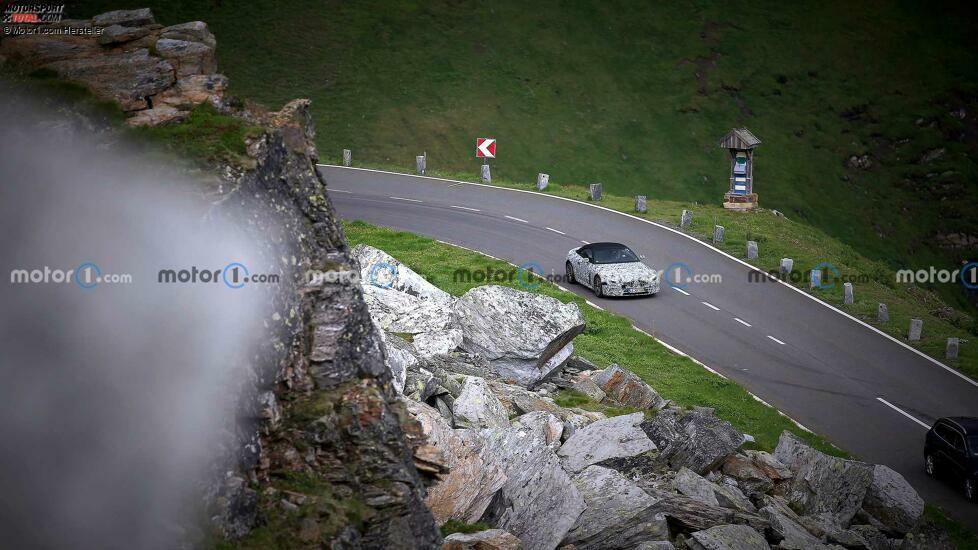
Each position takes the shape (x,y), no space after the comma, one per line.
(498,449)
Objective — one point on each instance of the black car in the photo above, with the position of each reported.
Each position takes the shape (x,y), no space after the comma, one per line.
(951,452)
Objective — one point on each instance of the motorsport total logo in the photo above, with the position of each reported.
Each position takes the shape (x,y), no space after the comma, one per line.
(86,275)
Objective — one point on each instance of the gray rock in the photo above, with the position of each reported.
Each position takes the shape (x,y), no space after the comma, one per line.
(194,31)
(189,58)
(727,537)
(126,18)
(539,503)
(400,356)
(378,268)
(865,536)
(546,428)
(730,496)
(125,77)
(618,513)
(526,337)
(892,501)
(655,545)
(823,483)
(619,436)
(784,523)
(626,388)
(474,473)
(696,439)
(477,407)
(773,468)
(117,34)
(694,486)
(437,342)
(490,539)
(587,386)
(396,311)
(751,477)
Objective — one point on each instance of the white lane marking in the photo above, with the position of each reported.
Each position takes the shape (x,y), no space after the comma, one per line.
(677,289)
(697,241)
(465,208)
(741,321)
(331,190)
(642,331)
(775,339)
(679,352)
(711,306)
(403,199)
(515,219)
(556,230)
(561,288)
(901,411)
(585,242)
(594,305)
(455,184)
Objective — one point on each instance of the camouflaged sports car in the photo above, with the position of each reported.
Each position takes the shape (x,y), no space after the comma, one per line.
(611,269)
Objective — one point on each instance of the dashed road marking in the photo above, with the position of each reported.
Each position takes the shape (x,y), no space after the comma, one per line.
(775,339)
(594,305)
(556,231)
(741,321)
(330,190)
(465,208)
(901,411)
(677,289)
(515,219)
(585,242)
(711,306)
(403,199)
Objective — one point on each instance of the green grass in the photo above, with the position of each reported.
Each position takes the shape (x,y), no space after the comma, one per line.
(607,339)
(571,398)
(205,135)
(635,96)
(456,526)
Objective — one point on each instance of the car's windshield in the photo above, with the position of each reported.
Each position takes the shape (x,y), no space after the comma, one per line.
(741,160)
(973,445)
(618,255)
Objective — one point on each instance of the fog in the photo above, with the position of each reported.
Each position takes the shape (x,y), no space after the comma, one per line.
(114,399)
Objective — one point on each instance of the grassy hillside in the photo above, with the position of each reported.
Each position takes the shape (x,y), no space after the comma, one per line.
(636,96)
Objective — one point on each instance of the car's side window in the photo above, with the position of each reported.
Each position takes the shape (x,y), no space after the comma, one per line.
(944,433)
(957,441)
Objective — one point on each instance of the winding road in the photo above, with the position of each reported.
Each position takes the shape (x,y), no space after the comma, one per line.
(867,392)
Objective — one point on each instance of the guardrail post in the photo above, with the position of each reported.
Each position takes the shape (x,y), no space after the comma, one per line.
(484,175)
(420,164)
(916,327)
(347,157)
(952,348)
(882,314)
(717,234)
(686,219)
(815,278)
(640,205)
(787,264)
(847,296)
(751,250)
(594,191)
(542,181)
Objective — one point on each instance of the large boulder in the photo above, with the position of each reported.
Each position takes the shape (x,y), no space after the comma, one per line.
(748,474)
(686,513)
(539,503)
(474,474)
(544,427)
(381,270)
(397,311)
(785,526)
(126,18)
(526,337)
(823,483)
(438,342)
(695,439)
(117,34)
(624,387)
(727,537)
(618,513)
(477,407)
(616,437)
(194,31)
(126,77)
(188,58)
(695,486)
(892,501)
(490,539)
(400,356)
(194,90)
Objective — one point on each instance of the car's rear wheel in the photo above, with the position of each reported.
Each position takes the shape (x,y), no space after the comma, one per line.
(598,291)
(969,489)
(569,270)
(929,465)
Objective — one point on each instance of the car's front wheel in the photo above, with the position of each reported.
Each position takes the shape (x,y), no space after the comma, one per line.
(569,270)
(969,489)
(598,291)
(929,465)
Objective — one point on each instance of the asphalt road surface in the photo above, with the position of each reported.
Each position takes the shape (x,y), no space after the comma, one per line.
(864,391)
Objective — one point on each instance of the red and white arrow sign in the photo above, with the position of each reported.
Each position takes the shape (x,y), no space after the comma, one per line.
(485,148)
